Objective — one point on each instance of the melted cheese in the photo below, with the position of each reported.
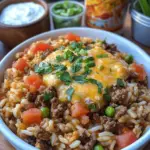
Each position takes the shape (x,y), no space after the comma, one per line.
(113,69)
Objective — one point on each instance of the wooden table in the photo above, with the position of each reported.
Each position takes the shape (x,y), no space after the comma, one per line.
(4,145)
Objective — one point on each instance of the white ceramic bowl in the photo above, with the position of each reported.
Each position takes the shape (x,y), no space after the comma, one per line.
(123,45)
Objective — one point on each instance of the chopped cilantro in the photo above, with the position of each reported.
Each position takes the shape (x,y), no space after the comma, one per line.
(120,82)
(83,52)
(90,64)
(87,71)
(80,79)
(102,56)
(75,45)
(69,93)
(106,95)
(60,67)
(65,77)
(48,96)
(77,65)
(92,107)
(99,84)
(87,60)
(43,68)
(59,58)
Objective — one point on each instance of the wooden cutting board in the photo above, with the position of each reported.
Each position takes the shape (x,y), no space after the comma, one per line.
(4,145)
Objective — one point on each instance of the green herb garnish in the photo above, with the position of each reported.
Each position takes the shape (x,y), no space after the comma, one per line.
(65,77)
(87,70)
(48,96)
(80,79)
(102,56)
(92,107)
(69,93)
(106,95)
(43,68)
(59,58)
(60,67)
(77,65)
(120,82)
(99,84)
(89,62)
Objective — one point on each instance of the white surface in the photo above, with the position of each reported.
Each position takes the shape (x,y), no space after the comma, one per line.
(21,13)
(123,44)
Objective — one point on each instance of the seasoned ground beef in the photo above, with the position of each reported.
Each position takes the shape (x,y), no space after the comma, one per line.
(57,109)
(31,97)
(31,140)
(40,101)
(108,123)
(43,135)
(119,95)
(43,145)
(87,142)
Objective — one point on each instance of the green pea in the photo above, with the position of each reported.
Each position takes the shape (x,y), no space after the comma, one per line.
(98,147)
(129,59)
(45,112)
(110,111)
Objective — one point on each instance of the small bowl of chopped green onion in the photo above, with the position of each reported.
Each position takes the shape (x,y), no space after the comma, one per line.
(67,14)
(140,14)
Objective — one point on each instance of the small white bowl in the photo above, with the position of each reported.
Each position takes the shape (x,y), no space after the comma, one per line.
(123,45)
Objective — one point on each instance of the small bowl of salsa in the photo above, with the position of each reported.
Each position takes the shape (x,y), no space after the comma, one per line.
(20,20)
(67,14)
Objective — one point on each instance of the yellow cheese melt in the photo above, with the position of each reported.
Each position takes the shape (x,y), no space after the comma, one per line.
(113,68)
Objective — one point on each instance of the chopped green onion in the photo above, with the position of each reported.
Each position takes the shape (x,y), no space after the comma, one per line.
(45,112)
(106,95)
(110,111)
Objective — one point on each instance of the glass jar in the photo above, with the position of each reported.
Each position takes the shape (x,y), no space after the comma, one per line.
(106,14)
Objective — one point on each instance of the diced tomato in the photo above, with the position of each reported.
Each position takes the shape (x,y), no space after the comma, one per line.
(125,139)
(33,82)
(78,110)
(41,47)
(20,64)
(139,69)
(32,116)
(72,37)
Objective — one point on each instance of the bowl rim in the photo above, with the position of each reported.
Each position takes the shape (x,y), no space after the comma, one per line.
(13,138)
(40,2)
(67,17)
